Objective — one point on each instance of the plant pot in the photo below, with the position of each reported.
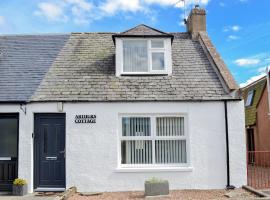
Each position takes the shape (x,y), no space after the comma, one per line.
(156,189)
(19,190)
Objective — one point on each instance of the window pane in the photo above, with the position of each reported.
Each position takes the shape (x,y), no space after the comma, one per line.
(250,98)
(170,126)
(136,126)
(158,62)
(157,43)
(136,152)
(170,151)
(8,137)
(135,56)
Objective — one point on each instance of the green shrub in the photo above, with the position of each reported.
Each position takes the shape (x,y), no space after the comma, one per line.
(19,181)
(155,180)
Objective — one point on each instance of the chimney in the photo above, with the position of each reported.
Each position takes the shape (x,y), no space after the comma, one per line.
(196,21)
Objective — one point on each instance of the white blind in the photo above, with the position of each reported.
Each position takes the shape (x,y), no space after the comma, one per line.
(141,141)
(137,152)
(170,126)
(135,56)
(170,151)
(136,126)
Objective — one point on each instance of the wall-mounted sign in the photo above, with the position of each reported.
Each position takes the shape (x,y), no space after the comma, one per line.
(80,119)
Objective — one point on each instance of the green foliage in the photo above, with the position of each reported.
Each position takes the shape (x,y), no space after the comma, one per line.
(155,180)
(19,181)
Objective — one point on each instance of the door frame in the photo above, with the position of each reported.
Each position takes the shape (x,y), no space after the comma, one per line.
(17,116)
(35,155)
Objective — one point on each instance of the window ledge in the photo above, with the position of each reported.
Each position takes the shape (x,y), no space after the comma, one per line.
(144,74)
(155,169)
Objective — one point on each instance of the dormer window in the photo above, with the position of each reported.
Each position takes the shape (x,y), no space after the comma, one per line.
(139,54)
(250,97)
(144,56)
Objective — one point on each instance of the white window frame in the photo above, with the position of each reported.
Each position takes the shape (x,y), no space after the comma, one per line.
(153,167)
(250,95)
(167,57)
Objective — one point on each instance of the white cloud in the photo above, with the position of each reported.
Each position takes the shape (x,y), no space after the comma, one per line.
(82,4)
(176,3)
(80,10)
(232,37)
(247,61)
(111,7)
(234,28)
(51,11)
(84,11)
(165,2)
(252,79)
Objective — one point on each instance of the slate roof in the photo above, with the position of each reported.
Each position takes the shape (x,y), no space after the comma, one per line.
(251,111)
(85,71)
(143,30)
(215,57)
(81,67)
(24,60)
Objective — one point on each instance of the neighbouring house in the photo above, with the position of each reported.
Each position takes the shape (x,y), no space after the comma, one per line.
(257,116)
(106,111)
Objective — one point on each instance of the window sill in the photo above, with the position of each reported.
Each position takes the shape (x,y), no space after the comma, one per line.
(144,74)
(155,169)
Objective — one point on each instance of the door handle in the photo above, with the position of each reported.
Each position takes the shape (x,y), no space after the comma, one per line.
(51,158)
(5,158)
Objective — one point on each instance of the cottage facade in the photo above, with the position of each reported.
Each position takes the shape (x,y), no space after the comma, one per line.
(106,111)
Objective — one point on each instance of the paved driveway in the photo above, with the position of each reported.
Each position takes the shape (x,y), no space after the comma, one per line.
(27,197)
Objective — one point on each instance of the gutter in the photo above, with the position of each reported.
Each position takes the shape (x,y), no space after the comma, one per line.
(13,102)
(228,186)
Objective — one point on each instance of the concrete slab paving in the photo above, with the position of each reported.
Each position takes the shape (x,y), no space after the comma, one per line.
(267,192)
(26,197)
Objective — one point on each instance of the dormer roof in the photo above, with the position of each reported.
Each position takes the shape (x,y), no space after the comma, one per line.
(143,30)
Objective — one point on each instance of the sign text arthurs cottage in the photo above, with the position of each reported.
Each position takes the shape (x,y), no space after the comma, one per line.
(83,119)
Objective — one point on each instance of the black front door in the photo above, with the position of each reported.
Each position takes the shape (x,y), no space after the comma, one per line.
(9,124)
(49,151)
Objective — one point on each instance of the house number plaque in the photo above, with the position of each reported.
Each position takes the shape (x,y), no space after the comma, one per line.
(84,119)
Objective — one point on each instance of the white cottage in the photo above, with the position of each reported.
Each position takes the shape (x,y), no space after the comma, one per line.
(106,111)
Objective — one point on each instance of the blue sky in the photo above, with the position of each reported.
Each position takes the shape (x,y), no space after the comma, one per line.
(240,29)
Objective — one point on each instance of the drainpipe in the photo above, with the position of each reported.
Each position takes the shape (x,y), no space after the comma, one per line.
(228,186)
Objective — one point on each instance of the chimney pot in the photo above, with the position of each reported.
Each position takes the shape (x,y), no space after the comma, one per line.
(196,21)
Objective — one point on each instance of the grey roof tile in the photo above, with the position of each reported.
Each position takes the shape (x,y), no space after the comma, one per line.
(24,60)
(143,29)
(84,70)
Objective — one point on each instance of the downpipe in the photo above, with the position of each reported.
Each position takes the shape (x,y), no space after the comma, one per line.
(228,186)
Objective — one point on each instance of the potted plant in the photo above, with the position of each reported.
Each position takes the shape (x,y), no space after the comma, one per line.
(156,187)
(19,187)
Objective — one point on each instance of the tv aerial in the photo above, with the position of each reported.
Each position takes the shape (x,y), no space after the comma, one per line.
(184,3)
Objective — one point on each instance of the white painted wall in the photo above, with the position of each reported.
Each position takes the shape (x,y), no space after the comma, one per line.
(237,139)
(91,149)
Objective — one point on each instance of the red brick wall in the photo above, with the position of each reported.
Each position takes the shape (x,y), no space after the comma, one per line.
(262,135)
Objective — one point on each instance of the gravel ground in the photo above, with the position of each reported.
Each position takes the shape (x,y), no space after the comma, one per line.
(175,194)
